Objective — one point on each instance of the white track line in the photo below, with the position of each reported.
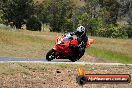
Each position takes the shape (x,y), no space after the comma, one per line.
(80,63)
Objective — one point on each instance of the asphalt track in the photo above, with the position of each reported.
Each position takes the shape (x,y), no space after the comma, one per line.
(60,61)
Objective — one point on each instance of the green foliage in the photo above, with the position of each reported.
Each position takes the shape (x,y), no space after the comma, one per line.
(68,26)
(58,14)
(128,30)
(101,32)
(33,24)
(111,8)
(17,11)
(115,31)
(94,25)
(99,17)
(1,14)
(109,55)
(119,33)
(91,24)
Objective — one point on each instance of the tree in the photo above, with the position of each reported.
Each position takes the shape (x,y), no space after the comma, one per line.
(17,11)
(1,14)
(33,24)
(88,16)
(110,10)
(57,13)
(125,10)
(2,2)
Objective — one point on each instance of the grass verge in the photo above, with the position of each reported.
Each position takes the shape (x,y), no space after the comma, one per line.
(109,55)
(112,50)
(28,44)
(25,44)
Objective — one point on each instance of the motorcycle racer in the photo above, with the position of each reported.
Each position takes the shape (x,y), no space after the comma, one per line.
(68,47)
(81,38)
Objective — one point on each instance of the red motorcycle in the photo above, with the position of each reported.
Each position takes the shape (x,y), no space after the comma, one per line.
(62,51)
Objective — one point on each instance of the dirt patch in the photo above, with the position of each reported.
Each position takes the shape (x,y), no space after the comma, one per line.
(59,76)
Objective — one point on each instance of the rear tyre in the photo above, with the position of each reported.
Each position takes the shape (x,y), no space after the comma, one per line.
(50,55)
(73,59)
(77,57)
(81,54)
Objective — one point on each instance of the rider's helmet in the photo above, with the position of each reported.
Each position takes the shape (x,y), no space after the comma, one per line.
(80,30)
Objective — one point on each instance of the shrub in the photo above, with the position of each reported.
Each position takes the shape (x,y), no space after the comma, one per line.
(119,33)
(128,30)
(115,32)
(33,24)
(101,32)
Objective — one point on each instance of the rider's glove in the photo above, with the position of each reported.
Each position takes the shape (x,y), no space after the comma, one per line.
(70,46)
(72,33)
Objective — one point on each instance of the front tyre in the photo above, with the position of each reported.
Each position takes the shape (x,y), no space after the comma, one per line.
(50,55)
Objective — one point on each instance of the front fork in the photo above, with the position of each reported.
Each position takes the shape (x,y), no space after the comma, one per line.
(56,49)
(58,53)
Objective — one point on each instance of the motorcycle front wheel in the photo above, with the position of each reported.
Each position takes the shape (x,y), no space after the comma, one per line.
(50,55)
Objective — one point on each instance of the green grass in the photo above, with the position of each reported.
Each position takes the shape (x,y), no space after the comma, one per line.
(109,55)
(29,44)
(25,44)
(115,50)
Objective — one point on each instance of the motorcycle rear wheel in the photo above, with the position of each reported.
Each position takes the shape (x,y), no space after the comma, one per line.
(73,59)
(82,53)
(50,55)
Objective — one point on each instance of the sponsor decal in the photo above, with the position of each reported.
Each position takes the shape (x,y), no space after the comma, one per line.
(84,78)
